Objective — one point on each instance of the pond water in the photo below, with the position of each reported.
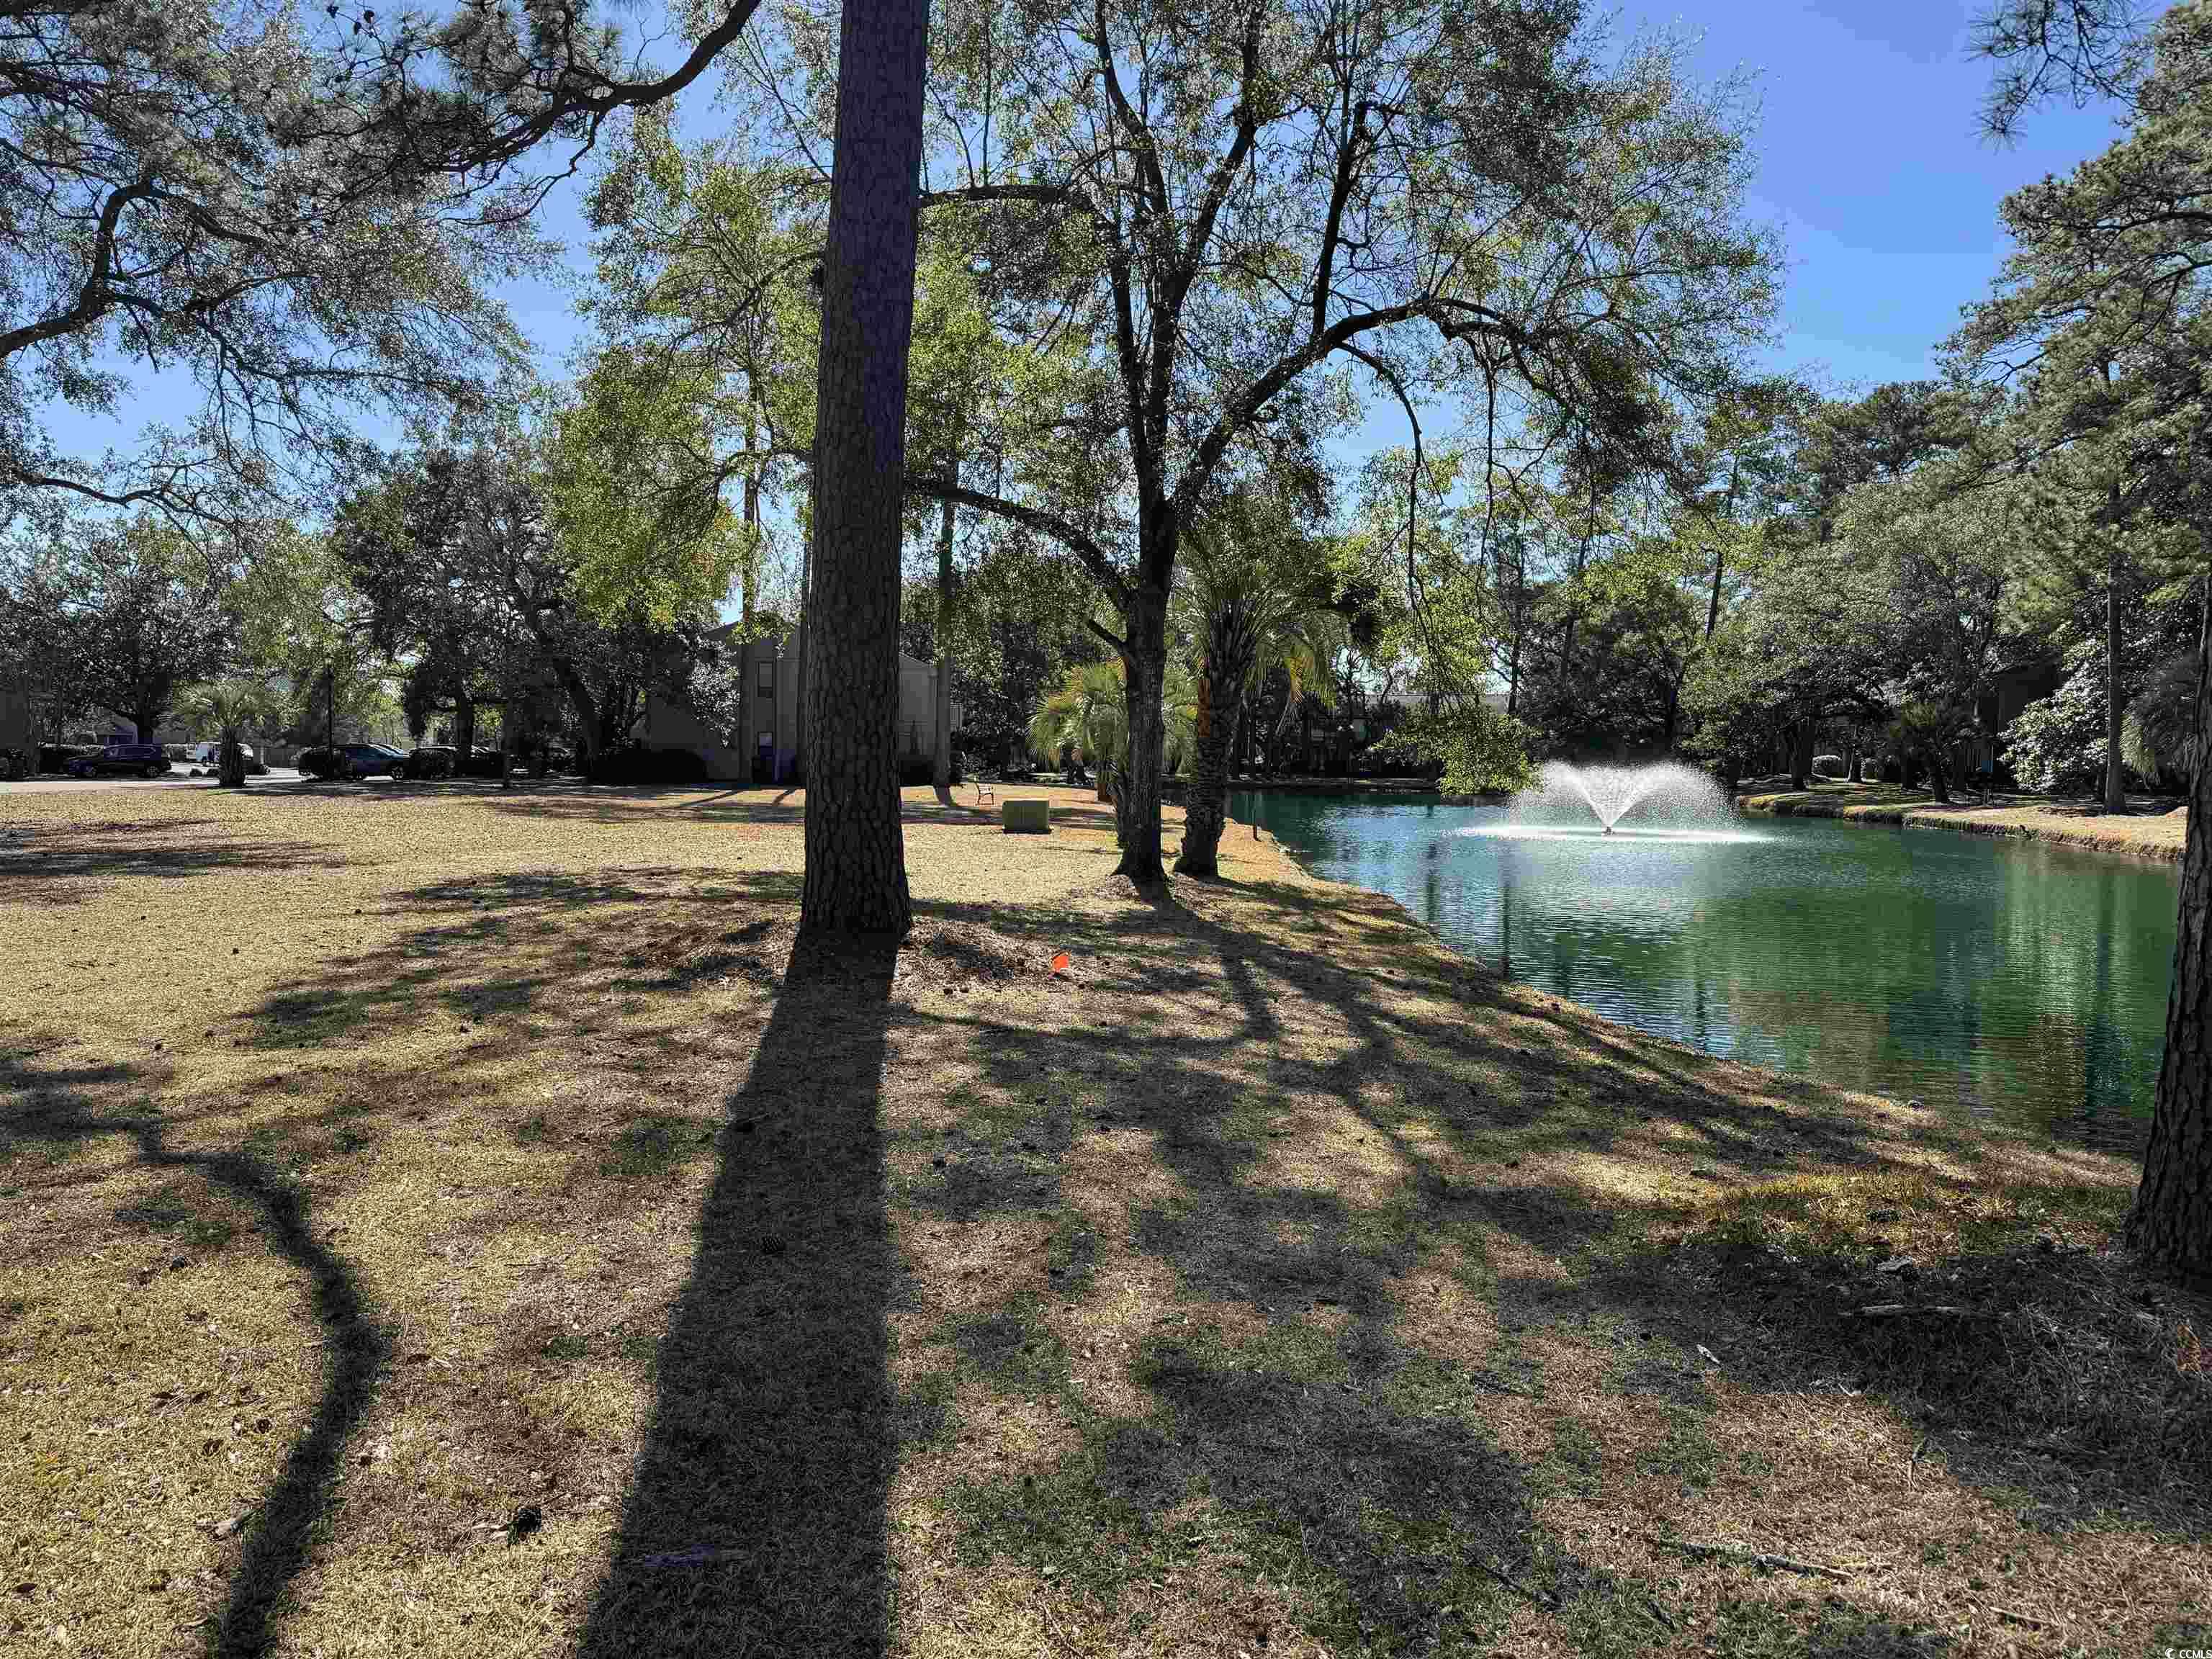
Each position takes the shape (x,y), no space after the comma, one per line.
(2003,977)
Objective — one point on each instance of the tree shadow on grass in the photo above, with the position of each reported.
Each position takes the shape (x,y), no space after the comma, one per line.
(67,867)
(503,945)
(755,1521)
(1310,1400)
(60,1109)
(655,804)
(2065,1383)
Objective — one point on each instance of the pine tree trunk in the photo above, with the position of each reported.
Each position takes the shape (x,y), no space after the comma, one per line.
(2172,1223)
(941,773)
(749,587)
(805,604)
(2116,799)
(855,880)
(1137,802)
(1520,615)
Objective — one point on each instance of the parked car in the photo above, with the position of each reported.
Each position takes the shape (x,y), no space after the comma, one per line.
(56,756)
(352,760)
(433,760)
(146,760)
(489,764)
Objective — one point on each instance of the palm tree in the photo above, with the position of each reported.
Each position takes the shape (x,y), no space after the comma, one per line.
(1088,715)
(1257,594)
(231,706)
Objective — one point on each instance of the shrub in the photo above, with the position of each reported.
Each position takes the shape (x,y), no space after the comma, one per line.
(921,768)
(1829,766)
(635,764)
(2056,746)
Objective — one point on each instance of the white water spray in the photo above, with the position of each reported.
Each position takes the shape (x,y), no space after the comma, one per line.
(1665,798)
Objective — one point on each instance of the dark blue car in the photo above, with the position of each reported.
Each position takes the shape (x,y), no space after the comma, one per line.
(145,760)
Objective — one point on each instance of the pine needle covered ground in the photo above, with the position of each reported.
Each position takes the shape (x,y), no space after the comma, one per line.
(442,1221)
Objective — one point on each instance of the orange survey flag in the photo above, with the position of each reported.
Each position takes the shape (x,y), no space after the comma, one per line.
(1060,962)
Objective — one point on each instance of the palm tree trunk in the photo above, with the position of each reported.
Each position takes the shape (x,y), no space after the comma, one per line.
(1231,646)
(230,761)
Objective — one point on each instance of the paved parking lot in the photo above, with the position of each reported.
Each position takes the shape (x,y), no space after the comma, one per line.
(179,779)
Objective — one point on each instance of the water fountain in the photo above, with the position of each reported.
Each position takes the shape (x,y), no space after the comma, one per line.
(1664,800)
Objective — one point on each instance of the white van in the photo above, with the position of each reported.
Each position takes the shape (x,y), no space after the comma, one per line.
(210,755)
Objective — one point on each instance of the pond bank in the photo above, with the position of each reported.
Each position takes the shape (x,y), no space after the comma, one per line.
(484,1219)
(2153,832)
(1177,788)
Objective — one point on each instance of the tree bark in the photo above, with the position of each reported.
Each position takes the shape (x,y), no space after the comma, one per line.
(2116,799)
(1720,553)
(2172,1223)
(1231,646)
(805,606)
(1137,796)
(587,719)
(941,771)
(855,880)
(749,587)
(230,762)
(1801,755)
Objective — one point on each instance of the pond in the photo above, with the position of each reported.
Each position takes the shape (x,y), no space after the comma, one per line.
(2004,978)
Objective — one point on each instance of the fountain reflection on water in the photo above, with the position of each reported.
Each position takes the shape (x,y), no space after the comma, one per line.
(1664,801)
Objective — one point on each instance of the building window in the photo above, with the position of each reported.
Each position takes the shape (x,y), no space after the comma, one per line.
(764,679)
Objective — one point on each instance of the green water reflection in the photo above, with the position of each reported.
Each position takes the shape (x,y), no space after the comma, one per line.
(2009,978)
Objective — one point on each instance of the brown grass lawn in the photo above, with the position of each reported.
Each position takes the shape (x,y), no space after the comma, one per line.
(437,1221)
(2151,829)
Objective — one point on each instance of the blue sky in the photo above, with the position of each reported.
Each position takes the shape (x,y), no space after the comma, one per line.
(1869,161)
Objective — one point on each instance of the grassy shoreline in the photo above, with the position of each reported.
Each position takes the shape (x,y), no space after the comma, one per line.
(2155,833)
(476,1201)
